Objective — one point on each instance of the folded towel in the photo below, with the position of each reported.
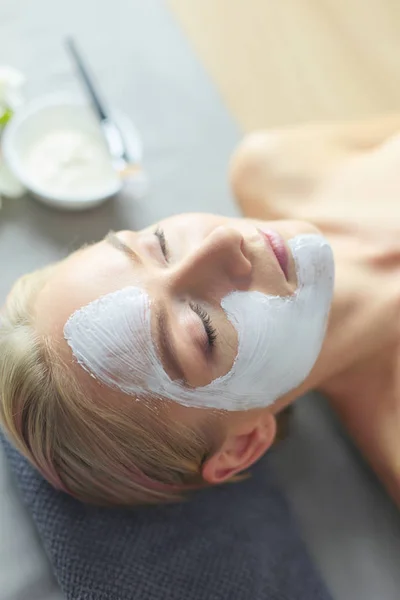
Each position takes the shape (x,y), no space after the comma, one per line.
(235,542)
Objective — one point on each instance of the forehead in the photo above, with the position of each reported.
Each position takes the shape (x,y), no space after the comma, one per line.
(78,280)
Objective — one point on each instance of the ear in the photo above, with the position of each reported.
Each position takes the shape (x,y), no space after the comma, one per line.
(244,445)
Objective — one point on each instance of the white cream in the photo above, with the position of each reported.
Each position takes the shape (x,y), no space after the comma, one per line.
(70,162)
(279,339)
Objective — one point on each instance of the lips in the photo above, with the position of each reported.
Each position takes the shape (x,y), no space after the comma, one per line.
(275,242)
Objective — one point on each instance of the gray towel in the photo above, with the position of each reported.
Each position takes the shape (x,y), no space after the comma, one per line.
(236,542)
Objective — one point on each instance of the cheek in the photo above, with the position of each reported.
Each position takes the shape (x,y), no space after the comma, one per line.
(226,348)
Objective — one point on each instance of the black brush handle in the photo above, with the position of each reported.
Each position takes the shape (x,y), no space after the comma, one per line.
(87,79)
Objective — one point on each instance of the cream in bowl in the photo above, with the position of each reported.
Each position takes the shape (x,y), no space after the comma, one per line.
(56,149)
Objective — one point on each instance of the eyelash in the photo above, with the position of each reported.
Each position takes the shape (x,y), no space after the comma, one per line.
(159,233)
(208,326)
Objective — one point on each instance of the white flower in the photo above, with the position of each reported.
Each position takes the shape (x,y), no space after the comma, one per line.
(11,83)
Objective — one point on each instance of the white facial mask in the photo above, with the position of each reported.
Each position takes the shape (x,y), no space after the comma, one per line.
(279,338)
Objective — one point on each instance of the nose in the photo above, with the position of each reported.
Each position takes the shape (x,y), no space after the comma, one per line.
(218,264)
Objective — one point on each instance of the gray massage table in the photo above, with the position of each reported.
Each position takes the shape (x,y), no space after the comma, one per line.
(351,528)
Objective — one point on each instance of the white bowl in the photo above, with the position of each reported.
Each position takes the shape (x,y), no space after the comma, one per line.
(36,119)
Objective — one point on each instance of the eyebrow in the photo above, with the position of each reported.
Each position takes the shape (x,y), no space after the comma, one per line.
(118,244)
(168,351)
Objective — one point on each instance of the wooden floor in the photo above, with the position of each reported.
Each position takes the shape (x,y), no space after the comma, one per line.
(279,62)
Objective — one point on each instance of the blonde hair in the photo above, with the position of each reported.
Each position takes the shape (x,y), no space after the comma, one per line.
(128,454)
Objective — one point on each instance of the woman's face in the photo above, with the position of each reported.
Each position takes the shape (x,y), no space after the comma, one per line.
(186,264)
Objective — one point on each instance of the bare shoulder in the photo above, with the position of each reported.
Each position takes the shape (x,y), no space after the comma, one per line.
(273,170)
(367,401)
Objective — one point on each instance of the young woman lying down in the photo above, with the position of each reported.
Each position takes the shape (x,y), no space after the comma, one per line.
(157,362)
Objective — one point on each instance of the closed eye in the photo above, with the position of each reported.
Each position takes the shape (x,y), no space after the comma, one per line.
(208,326)
(159,233)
